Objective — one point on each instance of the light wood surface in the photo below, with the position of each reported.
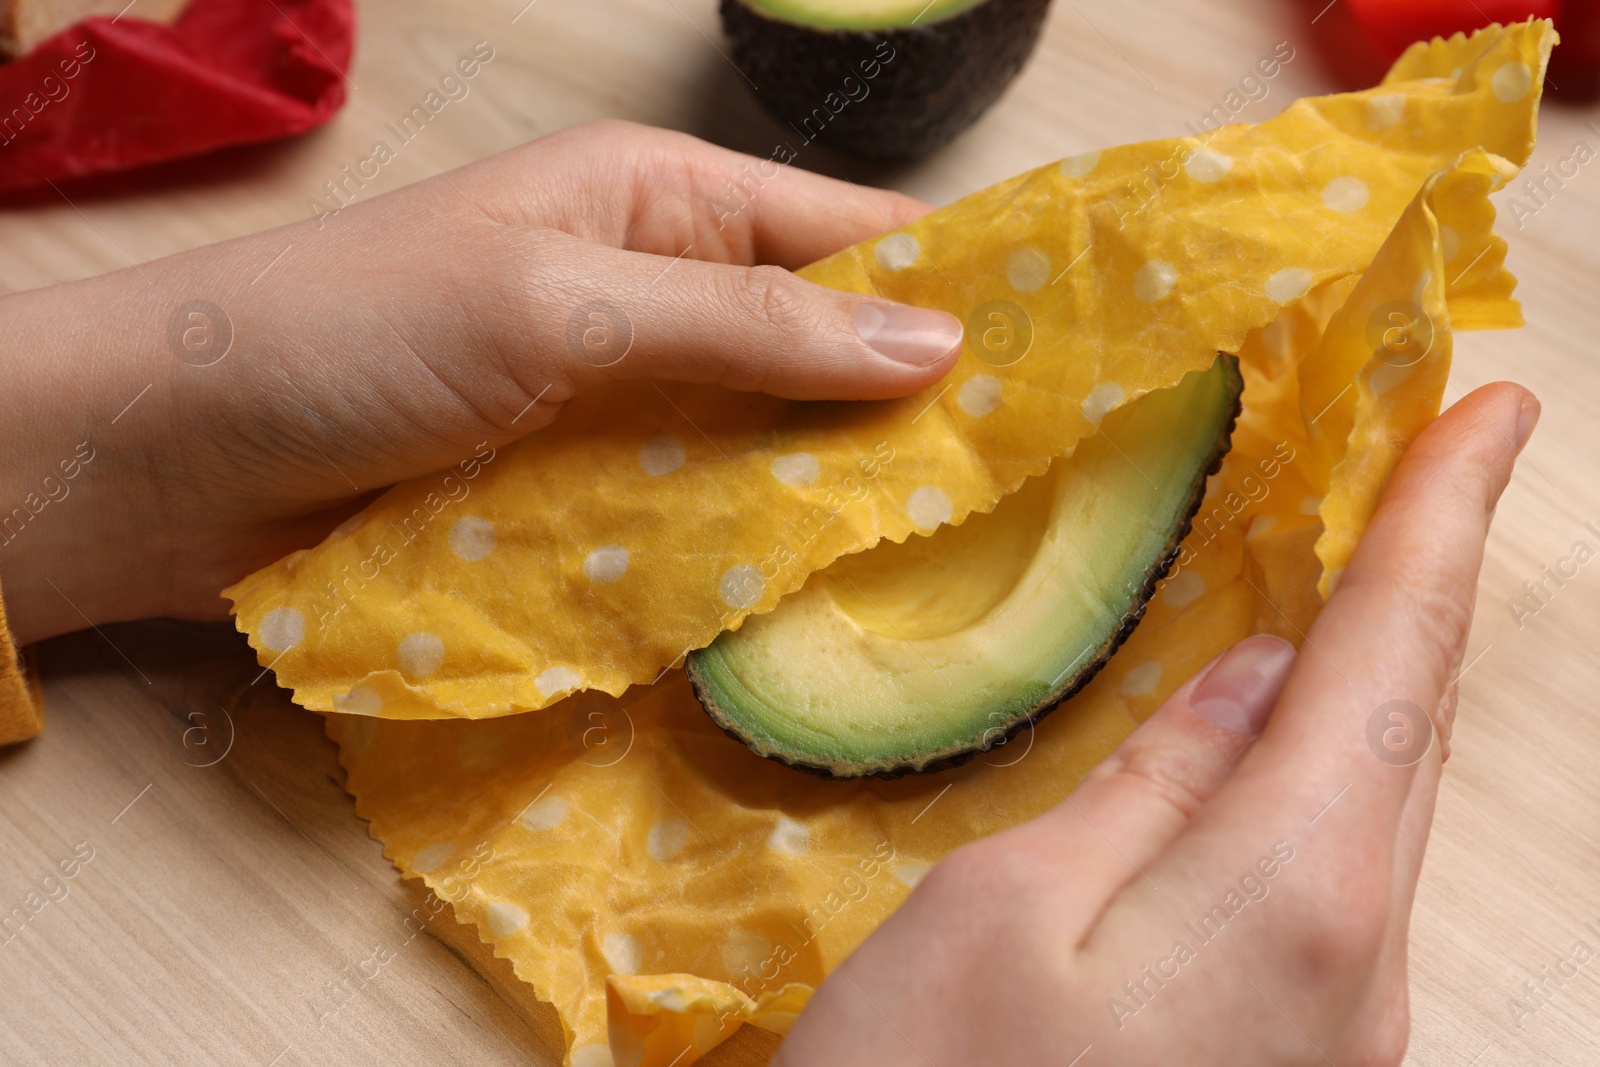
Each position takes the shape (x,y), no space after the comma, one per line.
(224,902)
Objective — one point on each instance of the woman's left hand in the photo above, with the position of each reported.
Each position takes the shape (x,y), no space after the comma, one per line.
(223,407)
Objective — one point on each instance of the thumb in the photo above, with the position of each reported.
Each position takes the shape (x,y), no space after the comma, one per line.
(631,316)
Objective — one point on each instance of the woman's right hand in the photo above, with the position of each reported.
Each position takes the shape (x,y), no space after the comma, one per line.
(1212,894)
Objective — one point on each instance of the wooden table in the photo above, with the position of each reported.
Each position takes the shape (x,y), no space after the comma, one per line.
(223,904)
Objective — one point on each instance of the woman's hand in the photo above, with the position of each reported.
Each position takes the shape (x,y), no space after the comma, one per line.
(1206,897)
(223,407)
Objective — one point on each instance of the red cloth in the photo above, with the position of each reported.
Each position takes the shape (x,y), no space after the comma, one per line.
(107,95)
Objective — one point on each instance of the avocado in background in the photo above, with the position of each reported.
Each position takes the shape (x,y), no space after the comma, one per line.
(881,79)
(914,657)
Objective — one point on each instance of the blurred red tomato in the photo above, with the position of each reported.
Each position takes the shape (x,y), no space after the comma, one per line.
(1393,25)
(1359,39)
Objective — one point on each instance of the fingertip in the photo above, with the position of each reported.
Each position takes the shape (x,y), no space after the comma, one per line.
(1472,446)
(1501,404)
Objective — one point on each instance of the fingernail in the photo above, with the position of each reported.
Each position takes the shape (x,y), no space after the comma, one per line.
(1527,419)
(907,334)
(1240,691)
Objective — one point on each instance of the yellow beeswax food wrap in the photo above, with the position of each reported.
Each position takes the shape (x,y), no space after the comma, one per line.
(654,880)
(649,518)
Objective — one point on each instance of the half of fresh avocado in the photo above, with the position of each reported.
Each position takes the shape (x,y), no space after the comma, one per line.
(880,79)
(914,657)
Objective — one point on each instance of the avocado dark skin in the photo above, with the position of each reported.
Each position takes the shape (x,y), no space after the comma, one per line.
(883,94)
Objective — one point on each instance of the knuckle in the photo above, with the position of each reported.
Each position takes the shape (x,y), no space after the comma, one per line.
(526,310)
(1443,617)
(1020,867)
(616,145)
(775,298)
(1336,937)
(977,871)
(1339,946)
(1166,777)
(521,269)
(1435,619)
(956,874)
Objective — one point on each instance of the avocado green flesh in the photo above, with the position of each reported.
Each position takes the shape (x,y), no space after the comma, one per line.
(861,14)
(911,657)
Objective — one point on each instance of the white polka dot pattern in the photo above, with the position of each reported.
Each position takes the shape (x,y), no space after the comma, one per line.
(421,654)
(662,454)
(472,538)
(281,629)
(606,564)
(1154,281)
(929,507)
(897,251)
(979,395)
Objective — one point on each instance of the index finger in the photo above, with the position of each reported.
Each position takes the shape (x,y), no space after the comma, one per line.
(1312,791)
(669,194)
(770,210)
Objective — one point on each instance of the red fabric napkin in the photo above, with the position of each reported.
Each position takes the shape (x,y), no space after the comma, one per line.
(109,94)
